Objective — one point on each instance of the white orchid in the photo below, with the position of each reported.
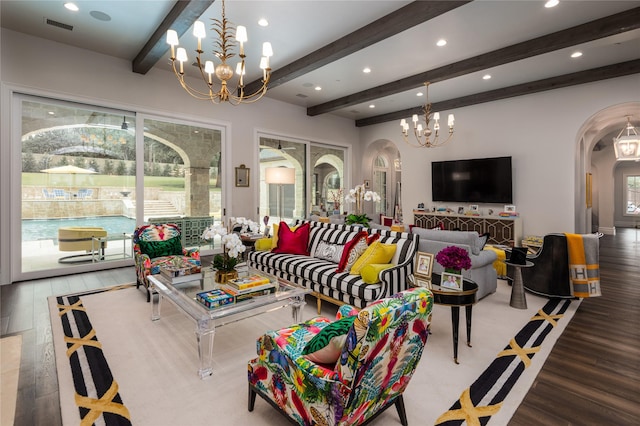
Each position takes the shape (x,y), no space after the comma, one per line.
(214,230)
(245,224)
(358,195)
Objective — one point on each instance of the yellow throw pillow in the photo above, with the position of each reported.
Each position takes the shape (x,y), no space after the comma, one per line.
(264,244)
(371,273)
(375,253)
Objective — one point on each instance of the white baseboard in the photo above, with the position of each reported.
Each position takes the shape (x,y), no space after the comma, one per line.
(607,230)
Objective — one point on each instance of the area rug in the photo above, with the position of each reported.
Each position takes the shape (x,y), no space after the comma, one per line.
(10,352)
(117,367)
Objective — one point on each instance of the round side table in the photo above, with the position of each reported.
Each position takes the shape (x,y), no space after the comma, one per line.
(456,299)
(518,299)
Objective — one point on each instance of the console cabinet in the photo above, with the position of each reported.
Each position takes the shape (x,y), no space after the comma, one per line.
(502,230)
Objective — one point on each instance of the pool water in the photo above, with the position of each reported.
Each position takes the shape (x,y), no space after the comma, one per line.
(34,230)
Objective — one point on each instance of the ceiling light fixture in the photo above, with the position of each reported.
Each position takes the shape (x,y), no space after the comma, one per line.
(71,6)
(124,125)
(224,72)
(627,147)
(486,77)
(551,3)
(366,70)
(441,42)
(576,54)
(423,135)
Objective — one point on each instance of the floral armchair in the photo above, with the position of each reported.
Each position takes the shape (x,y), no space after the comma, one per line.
(160,244)
(375,361)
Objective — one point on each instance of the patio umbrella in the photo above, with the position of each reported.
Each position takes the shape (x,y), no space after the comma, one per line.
(69,170)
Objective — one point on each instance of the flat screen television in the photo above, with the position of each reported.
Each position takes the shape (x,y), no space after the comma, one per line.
(482,180)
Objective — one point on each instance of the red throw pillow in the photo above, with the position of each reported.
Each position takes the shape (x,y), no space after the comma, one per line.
(354,248)
(292,242)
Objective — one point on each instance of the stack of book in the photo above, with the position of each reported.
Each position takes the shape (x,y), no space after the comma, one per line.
(180,275)
(249,286)
(215,298)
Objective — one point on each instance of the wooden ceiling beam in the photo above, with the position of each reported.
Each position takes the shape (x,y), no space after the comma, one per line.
(180,18)
(400,20)
(552,83)
(600,28)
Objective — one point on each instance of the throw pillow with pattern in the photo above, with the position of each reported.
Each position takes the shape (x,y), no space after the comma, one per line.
(328,251)
(326,346)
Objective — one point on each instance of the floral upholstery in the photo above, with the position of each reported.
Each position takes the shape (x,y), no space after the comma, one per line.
(382,349)
(146,265)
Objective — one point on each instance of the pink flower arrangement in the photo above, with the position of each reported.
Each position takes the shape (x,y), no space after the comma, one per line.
(453,257)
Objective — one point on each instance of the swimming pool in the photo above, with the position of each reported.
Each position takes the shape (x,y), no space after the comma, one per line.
(34,230)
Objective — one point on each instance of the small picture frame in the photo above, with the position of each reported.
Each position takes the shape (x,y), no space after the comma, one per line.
(367,184)
(474,208)
(460,210)
(242,176)
(510,208)
(419,282)
(424,265)
(451,281)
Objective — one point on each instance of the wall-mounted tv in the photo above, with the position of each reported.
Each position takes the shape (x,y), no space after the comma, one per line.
(481,180)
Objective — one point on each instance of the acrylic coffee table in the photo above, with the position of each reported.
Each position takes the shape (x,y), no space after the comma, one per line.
(183,295)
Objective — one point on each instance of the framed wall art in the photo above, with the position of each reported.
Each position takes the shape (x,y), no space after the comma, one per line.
(242,176)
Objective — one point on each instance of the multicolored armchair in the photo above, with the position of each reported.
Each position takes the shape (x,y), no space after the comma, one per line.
(344,372)
(159,244)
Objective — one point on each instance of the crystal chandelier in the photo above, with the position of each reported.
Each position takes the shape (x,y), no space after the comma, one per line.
(424,134)
(627,147)
(223,72)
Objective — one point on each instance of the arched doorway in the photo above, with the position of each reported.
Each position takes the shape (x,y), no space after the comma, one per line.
(596,163)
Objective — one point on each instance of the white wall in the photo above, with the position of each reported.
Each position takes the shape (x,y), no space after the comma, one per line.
(539,131)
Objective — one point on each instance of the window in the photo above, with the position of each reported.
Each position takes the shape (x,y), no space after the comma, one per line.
(632,195)
(380,176)
(79,171)
(320,165)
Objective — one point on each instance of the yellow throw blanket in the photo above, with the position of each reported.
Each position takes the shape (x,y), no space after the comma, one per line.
(584,269)
(498,264)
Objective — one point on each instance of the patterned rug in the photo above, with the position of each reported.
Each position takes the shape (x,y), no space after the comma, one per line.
(116,367)
(485,396)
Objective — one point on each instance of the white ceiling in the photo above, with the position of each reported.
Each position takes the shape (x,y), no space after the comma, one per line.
(297,28)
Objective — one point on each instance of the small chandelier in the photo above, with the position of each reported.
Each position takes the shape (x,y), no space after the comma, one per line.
(223,72)
(627,147)
(423,134)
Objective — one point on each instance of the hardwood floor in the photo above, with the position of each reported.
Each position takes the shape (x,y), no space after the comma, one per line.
(592,376)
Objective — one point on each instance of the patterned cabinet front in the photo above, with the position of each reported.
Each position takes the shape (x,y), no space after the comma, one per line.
(504,231)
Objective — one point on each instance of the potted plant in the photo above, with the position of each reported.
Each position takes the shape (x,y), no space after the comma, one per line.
(224,263)
(358,195)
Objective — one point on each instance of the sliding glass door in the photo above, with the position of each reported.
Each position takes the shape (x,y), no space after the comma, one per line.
(318,174)
(78,195)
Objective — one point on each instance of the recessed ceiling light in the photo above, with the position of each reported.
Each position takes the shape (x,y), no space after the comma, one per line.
(318,88)
(419,94)
(263,22)
(486,77)
(372,106)
(441,42)
(576,54)
(366,70)
(72,7)
(551,3)
(51,113)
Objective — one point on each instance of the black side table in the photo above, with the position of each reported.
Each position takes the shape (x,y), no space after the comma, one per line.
(456,299)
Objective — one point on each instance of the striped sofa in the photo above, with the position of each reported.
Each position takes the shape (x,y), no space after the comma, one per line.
(321,277)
